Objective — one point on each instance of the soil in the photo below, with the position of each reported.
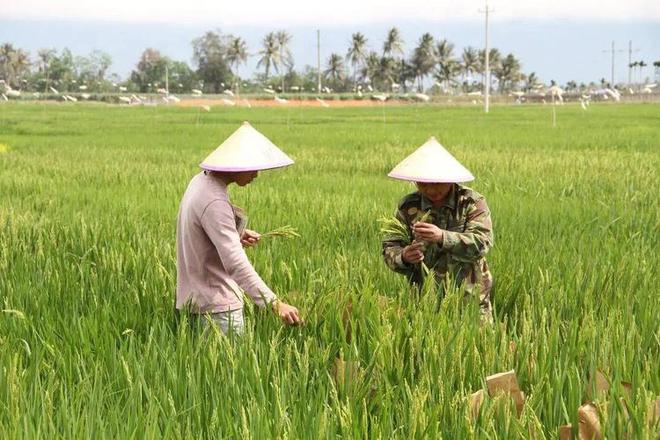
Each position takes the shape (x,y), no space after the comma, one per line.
(198,102)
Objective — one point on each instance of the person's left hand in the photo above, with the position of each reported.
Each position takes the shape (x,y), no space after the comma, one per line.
(287,313)
(428,232)
(250,238)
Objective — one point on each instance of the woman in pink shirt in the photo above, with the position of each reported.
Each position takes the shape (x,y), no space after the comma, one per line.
(213,270)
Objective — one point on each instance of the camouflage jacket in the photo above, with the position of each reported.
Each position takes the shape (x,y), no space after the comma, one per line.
(468,236)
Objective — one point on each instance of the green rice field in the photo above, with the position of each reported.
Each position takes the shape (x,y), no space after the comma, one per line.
(89,347)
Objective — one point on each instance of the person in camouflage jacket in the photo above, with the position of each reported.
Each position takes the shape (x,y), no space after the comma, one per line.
(452,232)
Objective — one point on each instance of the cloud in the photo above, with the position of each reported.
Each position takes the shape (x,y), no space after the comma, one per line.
(336,12)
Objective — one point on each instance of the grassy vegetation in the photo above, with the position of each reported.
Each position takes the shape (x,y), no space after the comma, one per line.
(88,346)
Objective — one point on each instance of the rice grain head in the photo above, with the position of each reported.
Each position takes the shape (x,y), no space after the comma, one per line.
(283,231)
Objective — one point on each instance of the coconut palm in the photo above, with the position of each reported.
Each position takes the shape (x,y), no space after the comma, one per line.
(393,47)
(423,59)
(508,72)
(407,74)
(641,65)
(632,66)
(470,59)
(6,53)
(357,53)
(335,70)
(446,65)
(44,59)
(444,50)
(236,55)
(447,71)
(494,60)
(371,68)
(393,44)
(6,50)
(19,65)
(270,53)
(285,56)
(387,71)
(531,81)
(382,71)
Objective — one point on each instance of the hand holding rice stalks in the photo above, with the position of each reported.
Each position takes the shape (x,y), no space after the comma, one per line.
(394,229)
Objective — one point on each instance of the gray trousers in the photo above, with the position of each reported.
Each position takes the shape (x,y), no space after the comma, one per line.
(230,321)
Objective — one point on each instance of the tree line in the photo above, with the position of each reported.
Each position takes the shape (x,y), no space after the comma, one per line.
(217,60)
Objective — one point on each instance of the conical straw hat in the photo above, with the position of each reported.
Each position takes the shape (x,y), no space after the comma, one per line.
(431,163)
(246,150)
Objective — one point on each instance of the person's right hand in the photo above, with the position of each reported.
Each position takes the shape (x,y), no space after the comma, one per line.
(412,254)
(250,238)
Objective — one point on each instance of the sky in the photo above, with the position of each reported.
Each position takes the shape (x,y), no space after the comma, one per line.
(559,39)
(335,12)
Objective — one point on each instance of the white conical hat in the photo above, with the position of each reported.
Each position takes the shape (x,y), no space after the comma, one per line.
(246,150)
(431,163)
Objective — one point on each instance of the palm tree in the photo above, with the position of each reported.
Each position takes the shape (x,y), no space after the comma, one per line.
(285,56)
(19,65)
(446,64)
(393,47)
(642,64)
(45,57)
(382,71)
(444,50)
(532,81)
(371,68)
(335,70)
(270,53)
(393,44)
(633,66)
(6,53)
(357,53)
(447,71)
(423,59)
(494,60)
(237,55)
(387,71)
(508,72)
(470,60)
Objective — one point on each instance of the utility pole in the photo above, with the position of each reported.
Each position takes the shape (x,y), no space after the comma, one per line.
(167,81)
(613,51)
(318,59)
(487,67)
(612,80)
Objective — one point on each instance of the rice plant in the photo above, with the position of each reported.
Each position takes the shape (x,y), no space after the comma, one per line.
(89,347)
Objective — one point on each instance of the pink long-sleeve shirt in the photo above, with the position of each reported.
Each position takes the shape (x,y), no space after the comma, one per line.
(212,267)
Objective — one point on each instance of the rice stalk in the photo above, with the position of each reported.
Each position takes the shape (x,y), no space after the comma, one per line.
(286,231)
